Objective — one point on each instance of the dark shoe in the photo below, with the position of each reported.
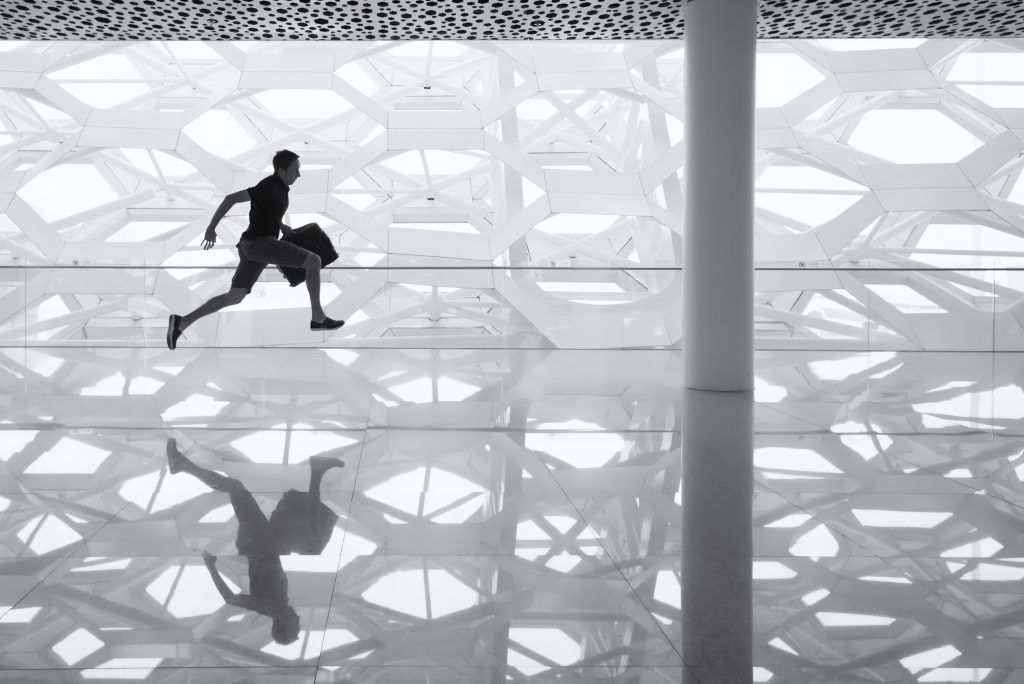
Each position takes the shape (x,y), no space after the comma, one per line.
(173,331)
(327,324)
(174,457)
(324,463)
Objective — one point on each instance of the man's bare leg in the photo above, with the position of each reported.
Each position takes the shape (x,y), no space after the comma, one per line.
(212,305)
(312,266)
(177,324)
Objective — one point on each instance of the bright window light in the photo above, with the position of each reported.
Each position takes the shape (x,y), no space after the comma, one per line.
(422,593)
(988,66)
(782,645)
(905,298)
(869,44)
(811,209)
(996,95)
(17,616)
(69,456)
(193,406)
(140,231)
(77,645)
(444,227)
(818,542)
(79,186)
(667,588)
(772,570)
(549,642)
(991,572)
(983,548)
(930,658)
(187,591)
(300,104)
(885,518)
(105,95)
(970,237)
(111,386)
(829,619)
(781,77)
(885,580)
(438,163)
(13,441)
(581,286)
(907,136)
(576,224)
(356,76)
(956,674)
(792,520)
(47,533)
(789,458)
(580,450)
(218,132)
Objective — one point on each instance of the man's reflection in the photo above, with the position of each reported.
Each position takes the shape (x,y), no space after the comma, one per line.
(300,523)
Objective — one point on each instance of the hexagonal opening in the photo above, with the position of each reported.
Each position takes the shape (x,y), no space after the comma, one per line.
(913,136)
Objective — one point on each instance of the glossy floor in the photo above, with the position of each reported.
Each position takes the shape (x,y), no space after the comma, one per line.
(502,515)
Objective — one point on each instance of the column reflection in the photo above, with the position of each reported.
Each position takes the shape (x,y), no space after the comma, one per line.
(717,535)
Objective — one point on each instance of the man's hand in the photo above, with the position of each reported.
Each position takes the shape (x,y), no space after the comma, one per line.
(210,238)
(209,559)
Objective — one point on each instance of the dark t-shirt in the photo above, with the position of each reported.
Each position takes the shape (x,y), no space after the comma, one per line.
(268,200)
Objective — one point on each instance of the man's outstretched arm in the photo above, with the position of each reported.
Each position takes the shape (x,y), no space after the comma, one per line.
(223,589)
(229,201)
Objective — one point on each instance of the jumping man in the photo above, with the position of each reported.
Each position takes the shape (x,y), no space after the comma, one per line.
(260,245)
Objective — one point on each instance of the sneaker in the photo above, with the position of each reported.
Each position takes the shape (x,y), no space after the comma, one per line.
(173,331)
(325,463)
(174,457)
(327,324)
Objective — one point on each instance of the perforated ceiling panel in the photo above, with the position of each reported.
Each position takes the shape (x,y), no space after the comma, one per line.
(474,19)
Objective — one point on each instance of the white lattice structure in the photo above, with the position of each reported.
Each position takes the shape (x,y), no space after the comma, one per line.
(488,155)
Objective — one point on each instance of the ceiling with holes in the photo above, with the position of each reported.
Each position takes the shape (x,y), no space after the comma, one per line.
(508,20)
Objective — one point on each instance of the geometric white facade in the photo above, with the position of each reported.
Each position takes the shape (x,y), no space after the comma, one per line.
(548,174)
(505,512)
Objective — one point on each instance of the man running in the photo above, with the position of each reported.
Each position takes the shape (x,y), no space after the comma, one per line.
(260,245)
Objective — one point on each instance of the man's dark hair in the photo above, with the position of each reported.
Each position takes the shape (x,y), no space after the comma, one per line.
(283,158)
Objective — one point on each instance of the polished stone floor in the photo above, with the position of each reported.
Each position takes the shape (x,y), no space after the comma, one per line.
(502,516)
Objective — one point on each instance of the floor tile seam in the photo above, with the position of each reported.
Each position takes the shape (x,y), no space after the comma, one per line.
(930,469)
(868,553)
(622,574)
(377,428)
(312,347)
(65,558)
(341,551)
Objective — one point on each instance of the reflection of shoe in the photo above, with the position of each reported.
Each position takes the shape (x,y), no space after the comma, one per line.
(327,324)
(174,457)
(325,463)
(173,330)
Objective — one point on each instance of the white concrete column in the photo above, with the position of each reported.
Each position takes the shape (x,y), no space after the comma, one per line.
(718,301)
(718,253)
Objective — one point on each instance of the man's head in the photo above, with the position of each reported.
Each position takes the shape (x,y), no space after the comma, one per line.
(285,629)
(286,166)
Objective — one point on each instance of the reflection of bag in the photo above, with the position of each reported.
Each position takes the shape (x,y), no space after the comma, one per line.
(312,237)
(303,528)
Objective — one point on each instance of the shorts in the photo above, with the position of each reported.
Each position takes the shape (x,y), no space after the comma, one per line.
(254,255)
